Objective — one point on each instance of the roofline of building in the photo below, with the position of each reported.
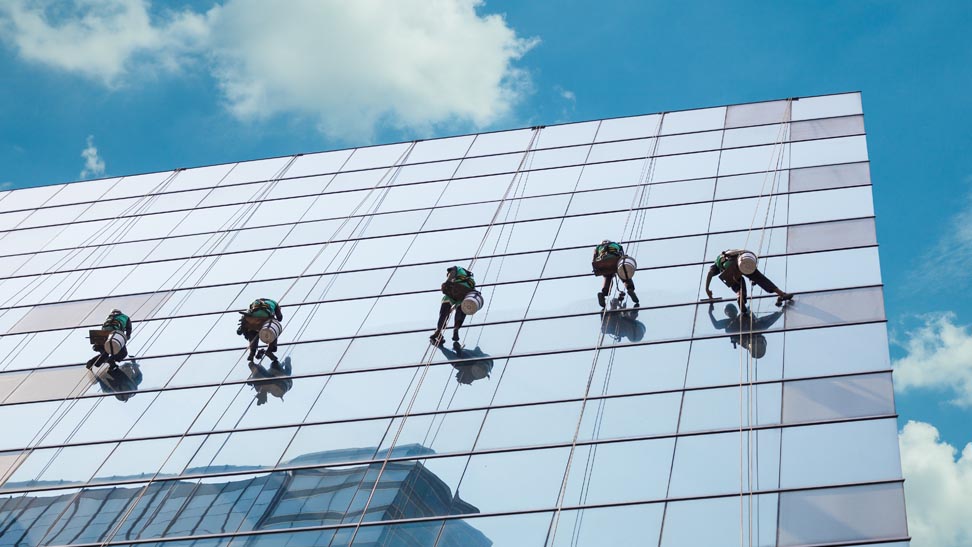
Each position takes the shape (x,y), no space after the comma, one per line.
(440,138)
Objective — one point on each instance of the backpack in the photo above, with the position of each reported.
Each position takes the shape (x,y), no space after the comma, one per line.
(459,284)
(263,308)
(117,322)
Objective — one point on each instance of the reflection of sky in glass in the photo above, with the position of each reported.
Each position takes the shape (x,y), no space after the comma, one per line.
(548,423)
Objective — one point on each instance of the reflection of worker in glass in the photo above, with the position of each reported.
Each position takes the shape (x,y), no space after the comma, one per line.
(468,372)
(275,380)
(745,329)
(122,380)
(622,322)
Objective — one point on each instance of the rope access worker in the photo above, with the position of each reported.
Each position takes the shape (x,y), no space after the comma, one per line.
(607,255)
(116,330)
(256,319)
(731,266)
(459,283)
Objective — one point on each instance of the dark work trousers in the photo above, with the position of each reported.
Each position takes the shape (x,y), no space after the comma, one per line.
(758,279)
(606,289)
(444,310)
(103,356)
(254,337)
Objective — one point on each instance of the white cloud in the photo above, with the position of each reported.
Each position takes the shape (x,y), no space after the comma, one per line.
(938,488)
(351,65)
(939,357)
(94,166)
(105,40)
(951,254)
(348,66)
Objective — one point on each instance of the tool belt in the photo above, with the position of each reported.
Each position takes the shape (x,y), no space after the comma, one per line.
(99,337)
(253,323)
(455,291)
(606,265)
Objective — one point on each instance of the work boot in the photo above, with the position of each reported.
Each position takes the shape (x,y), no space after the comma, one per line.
(91,362)
(634,297)
(436,339)
(260,354)
(456,346)
(785,297)
(600,299)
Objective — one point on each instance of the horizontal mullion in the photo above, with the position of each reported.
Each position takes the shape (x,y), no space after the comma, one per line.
(459,178)
(458,158)
(494,323)
(403,265)
(474,516)
(414,210)
(467,453)
(436,363)
(437,412)
(412,292)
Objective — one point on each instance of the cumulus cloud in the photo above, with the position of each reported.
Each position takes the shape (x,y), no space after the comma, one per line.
(348,66)
(105,40)
(938,488)
(938,357)
(351,65)
(94,166)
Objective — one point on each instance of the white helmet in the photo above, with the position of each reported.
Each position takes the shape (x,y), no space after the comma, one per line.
(747,262)
(116,311)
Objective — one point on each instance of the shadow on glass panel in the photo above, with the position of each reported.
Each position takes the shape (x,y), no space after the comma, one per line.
(621,322)
(745,329)
(122,380)
(468,372)
(270,381)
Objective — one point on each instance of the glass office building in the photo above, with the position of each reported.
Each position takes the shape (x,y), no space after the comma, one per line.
(679,422)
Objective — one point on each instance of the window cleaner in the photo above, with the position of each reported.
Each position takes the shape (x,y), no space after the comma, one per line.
(610,260)
(261,322)
(110,341)
(459,290)
(731,266)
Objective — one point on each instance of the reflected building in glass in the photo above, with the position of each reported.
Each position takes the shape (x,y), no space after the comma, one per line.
(679,422)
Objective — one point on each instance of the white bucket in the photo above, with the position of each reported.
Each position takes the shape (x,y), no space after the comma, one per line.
(626,268)
(115,342)
(747,262)
(471,303)
(270,331)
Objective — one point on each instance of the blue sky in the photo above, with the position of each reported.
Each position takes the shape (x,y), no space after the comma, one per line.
(178,87)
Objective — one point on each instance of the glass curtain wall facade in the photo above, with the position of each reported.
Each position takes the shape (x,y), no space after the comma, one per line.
(676,423)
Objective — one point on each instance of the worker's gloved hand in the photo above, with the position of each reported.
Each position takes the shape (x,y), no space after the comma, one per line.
(709,292)
(239,330)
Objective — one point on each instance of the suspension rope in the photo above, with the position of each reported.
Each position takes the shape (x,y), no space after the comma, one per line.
(555,519)
(430,352)
(746,420)
(242,385)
